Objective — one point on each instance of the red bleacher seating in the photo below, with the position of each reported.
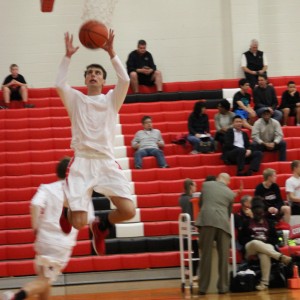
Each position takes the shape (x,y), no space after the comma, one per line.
(32,141)
(112,262)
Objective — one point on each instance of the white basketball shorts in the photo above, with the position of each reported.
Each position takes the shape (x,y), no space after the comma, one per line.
(103,175)
(52,259)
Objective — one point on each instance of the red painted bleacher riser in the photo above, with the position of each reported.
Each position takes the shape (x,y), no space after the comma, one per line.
(32,140)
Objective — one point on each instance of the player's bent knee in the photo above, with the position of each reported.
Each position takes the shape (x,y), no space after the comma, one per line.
(78,219)
(125,207)
(78,223)
(130,212)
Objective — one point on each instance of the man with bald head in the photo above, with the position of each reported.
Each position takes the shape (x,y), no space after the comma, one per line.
(213,222)
(254,63)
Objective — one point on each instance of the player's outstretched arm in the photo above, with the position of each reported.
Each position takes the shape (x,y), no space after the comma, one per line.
(70,49)
(62,87)
(109,45)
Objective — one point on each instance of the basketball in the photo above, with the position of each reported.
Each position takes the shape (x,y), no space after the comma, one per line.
(93,34)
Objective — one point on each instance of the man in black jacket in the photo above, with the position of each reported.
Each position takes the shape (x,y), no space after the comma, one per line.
(237,149)
(141,68)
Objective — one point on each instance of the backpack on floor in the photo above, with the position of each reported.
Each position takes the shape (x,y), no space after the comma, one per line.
(244,281)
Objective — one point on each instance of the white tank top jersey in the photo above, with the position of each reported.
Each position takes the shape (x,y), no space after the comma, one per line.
(93,118)
(50,198)
(292,185)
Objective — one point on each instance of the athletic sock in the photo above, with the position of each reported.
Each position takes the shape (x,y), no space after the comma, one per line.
(65,212)
(104,222)
(20,295)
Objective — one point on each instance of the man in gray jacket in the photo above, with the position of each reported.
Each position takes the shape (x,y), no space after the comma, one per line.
(147,142)
(267,135)
(214,225)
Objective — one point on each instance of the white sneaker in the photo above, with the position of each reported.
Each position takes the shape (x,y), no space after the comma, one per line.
(8,295)
(194,152)
(261,287)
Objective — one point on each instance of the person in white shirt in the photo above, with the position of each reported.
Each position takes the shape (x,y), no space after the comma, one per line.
(292,187)
(53,247)
(93,122)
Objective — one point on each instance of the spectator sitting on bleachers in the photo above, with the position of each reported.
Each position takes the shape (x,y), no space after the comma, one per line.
(264,96)
(290,103)
(142,70)
(147,142)
(292,187)
(241,104)
(198,126)
(254,63)
(258,237)
(269,191)
(237,149)
(245,213)
(267,135)
(185,203)
(14,87)
(223,120)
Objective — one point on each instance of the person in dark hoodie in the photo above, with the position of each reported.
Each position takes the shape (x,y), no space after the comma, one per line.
(198,126)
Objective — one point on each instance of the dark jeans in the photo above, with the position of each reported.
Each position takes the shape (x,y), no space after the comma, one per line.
(139,154)
(237,157)
(281,148)
(220,137)
(195,142)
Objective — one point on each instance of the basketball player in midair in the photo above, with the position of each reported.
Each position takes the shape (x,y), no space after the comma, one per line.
(93,122)
(53,248)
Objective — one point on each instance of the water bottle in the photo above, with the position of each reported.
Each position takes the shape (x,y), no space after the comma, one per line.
(295,271)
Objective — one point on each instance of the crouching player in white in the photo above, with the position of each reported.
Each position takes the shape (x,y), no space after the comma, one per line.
(93,123)
(53,248)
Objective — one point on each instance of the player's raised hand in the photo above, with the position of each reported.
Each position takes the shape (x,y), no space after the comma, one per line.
(70,49)
(109,45)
